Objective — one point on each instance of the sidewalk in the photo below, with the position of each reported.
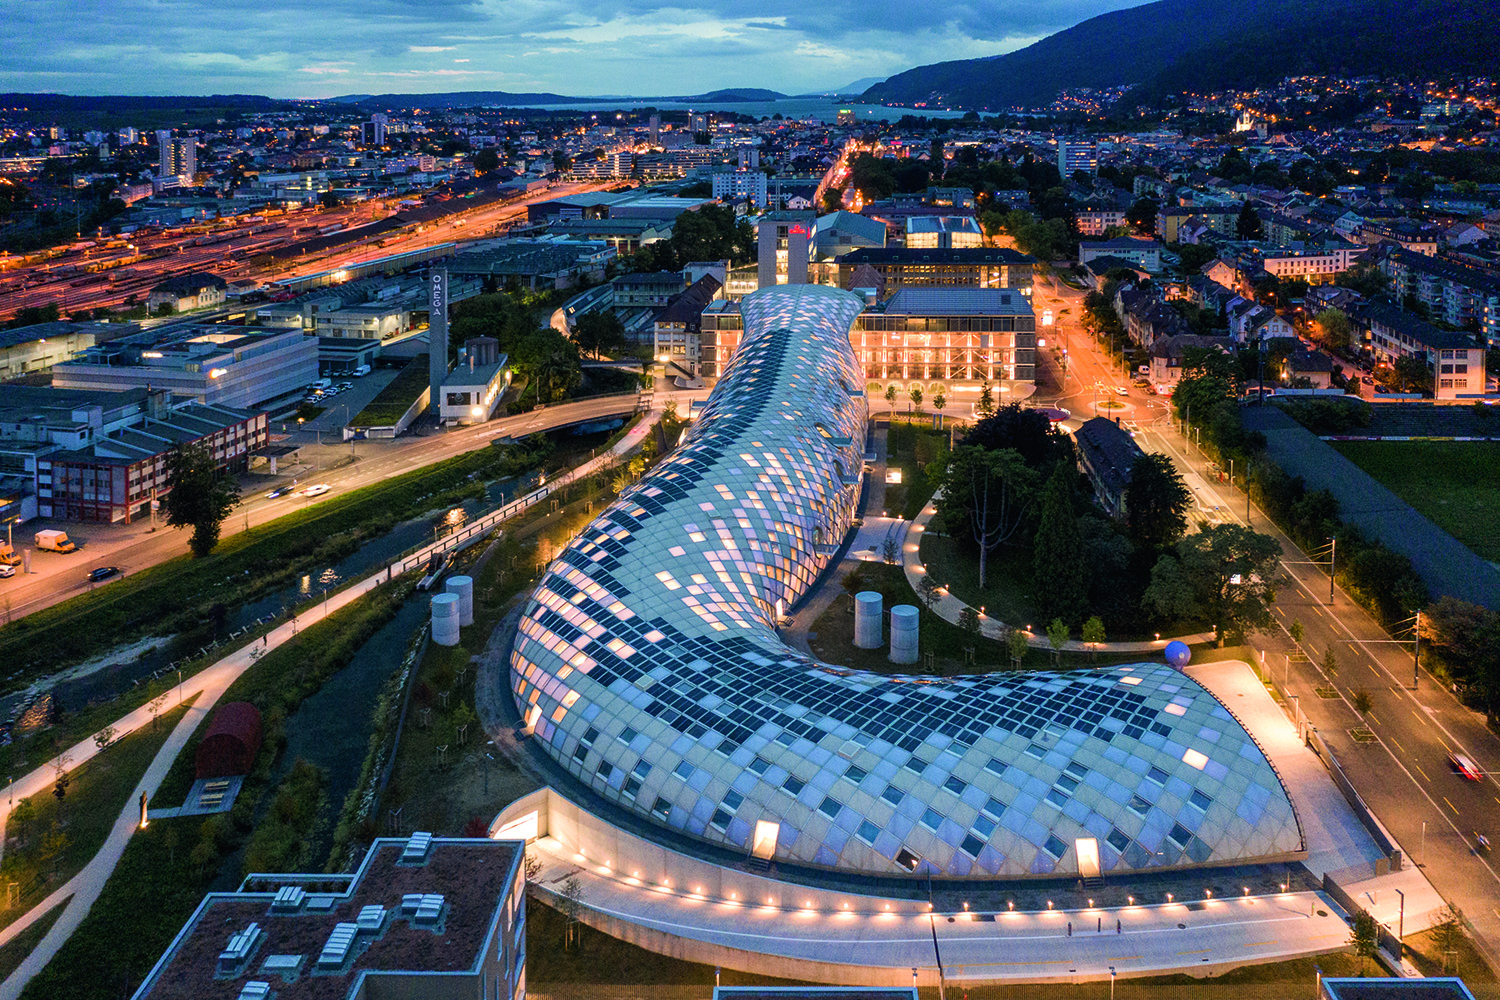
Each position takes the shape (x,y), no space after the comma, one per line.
(209,683)
(948,607)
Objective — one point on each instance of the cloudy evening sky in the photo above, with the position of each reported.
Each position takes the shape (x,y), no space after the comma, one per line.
(322,48)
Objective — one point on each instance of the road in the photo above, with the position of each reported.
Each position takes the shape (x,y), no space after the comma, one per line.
(1396,754)
(136,547)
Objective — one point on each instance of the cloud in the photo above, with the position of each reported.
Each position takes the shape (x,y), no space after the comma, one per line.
(649,47)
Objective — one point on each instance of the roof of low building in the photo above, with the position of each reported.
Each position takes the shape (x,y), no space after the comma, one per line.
(946,255)
(191,284)
(471,876)
(1109,450)
(1411,326)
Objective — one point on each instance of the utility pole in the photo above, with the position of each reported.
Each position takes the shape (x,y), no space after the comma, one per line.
(1333,544)
(1416,659)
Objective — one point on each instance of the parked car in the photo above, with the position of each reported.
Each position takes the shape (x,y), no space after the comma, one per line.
(6,570)
(1465,767)
(103,573)
(316,491)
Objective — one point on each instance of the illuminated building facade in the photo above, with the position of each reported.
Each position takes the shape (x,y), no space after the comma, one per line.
(648,666)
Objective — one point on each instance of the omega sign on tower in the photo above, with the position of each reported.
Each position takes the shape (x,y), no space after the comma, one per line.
(437,337)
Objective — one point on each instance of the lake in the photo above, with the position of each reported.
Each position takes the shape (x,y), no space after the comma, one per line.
(800,108)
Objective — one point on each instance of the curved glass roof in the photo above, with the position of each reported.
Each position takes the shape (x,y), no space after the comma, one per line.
(649,666)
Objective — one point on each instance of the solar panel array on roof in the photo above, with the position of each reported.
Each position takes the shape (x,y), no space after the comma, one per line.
(648,664)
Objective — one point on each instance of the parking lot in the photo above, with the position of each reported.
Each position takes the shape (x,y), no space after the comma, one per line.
(339,408)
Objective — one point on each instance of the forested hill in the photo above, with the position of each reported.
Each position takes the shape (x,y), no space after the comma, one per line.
(1175,46)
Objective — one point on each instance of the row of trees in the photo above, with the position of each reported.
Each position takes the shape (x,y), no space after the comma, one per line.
(1383,581)
(713,232)
(541,355)
(1013,483)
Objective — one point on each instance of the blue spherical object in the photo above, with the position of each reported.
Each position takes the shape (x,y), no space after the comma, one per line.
(1178,653)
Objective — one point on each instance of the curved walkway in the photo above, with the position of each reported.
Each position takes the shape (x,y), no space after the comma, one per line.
(209,684)
(948,607)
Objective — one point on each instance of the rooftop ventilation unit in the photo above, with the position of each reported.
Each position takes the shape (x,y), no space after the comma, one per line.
(371,918)
(288,897)
(241,944)
(417,848)
(422,908)
(255,990)
(336,951)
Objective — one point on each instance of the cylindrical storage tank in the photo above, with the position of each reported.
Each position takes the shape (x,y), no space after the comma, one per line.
(445,619)
(869,628)
(904,629)
(463,586)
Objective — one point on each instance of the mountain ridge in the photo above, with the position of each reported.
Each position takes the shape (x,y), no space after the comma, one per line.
(1175,45)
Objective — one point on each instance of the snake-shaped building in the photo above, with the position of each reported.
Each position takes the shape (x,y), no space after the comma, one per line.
(648,665)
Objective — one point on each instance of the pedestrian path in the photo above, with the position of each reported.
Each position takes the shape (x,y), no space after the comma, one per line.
(782,929)
(950,608)
(208,684)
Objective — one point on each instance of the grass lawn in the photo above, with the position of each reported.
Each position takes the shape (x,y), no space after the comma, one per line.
(911,446)
(1454,484)
(442,792)
(601,959)
(834,641)
(52,842)
(120,940)
(14,951)
(392,402)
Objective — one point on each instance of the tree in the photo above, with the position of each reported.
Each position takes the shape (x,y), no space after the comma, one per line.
(927,589)
(1057,637)
(1448,932)
(890,394)
(1330,664)
(550,360)
(939,400)
(916,396)
(599,332)
(572,906)
(968,620)
(1247,226)
(1412,374)
(200,495)
(1223,573)
(1364,937)
(1027,431)
(486,160)
(1142,215)
(1093,635)
(1296,631)
(986,405)
(1209,377)
(1016,644)
(1156,502)
(1333,329)
(1362,701)
(987,494)
(497,315)
(1057,552)
(104,737)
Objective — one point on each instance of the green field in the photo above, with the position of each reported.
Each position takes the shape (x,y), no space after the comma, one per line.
(1455,484)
